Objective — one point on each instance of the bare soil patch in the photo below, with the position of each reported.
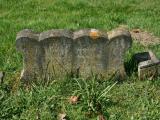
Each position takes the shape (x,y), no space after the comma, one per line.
(144,37)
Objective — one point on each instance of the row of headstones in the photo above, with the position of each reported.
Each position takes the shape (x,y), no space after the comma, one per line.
(148,66)
(57,53)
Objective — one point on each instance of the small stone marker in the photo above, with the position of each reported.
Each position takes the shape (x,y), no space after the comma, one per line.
(148,65)
(1,77)
(148,69)
(57,53)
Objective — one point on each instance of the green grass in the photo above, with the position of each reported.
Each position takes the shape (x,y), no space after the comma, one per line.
(133,99)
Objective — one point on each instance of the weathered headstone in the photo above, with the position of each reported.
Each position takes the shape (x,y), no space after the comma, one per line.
(119,42)
(57,57)
(57,53)
(90,52)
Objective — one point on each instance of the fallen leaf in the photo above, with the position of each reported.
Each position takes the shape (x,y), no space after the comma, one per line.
(74,99)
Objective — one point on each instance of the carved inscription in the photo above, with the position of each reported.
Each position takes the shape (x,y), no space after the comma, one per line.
(57,53)
(90,53)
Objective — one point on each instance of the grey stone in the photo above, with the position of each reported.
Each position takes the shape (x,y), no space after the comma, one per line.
(46,55)
(149,65)
(57,53)
(28,43)
(1,77)
(119,42)
(148,69)
(90,52)
(153,57)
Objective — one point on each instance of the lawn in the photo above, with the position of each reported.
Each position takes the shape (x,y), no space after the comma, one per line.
(133,99)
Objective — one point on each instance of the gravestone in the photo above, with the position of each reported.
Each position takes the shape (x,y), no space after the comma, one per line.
(28,43)
(56,53)
(119,42)
(46,55)
(57,57)
(90,54)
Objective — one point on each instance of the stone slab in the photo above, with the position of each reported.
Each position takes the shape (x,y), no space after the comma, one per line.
(148,69)
(148,65)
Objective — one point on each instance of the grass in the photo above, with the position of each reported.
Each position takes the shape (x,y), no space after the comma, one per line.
(133,99)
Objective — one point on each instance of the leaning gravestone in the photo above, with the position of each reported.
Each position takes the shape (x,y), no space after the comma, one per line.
(57,53)
(119,42)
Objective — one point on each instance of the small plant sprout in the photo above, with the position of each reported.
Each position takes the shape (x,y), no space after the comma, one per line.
(92,95)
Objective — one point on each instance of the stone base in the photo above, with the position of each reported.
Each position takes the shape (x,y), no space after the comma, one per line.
(148,69)
(148,65)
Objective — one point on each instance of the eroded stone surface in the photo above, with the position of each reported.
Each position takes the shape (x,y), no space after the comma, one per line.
(57,46)
(119,42)
(57,53)
(28,43)
(90,52)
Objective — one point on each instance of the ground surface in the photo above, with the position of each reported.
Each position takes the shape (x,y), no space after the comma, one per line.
(133,99)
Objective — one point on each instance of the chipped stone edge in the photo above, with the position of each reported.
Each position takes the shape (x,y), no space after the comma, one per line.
(53,33)
(27,33)
(119,32)
(153,62)
(92,33)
